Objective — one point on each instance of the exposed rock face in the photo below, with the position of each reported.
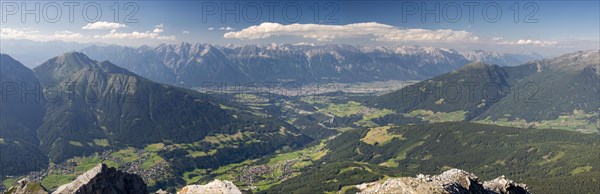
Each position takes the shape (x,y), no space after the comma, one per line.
(214,187)
(25,187)
(102,179)
(453,181)
(502,185)
(160,191)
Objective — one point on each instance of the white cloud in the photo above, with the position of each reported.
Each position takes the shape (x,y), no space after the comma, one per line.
(17,34)
(29,34)
(11,33)
(442,35)
(154,34)
(135,35)
(67,35)
(227,28)
(157,30)
(379,32)
(376,32)
(529,42)
(103,25)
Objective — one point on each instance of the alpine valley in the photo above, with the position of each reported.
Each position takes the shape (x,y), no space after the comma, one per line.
(362,120)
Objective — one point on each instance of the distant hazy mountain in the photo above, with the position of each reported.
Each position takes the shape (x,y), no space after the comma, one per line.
(501,59)
(21,112)
(194,64)
(158,62)
(566,86)
(33,53)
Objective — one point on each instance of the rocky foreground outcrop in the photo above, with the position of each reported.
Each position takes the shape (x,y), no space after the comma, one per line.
(102,179)
(23,186)
(215,187)
(453,181)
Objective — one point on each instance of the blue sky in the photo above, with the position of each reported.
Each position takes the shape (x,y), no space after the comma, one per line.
(539,26)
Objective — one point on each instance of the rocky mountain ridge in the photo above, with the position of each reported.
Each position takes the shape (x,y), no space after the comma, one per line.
(543,91)
(103,179)
(109,102)
(193,65)
(21,113)
(26,186)
(95,106)
(217,186)
(502,59)
(453,181)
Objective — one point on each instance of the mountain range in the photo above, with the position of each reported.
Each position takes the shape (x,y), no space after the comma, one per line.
(33,53)
(85,106)
(501,59)
(560,92)
(73,111)
(193,65)
(21,112)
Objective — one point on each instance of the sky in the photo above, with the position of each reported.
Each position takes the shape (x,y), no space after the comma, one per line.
(548,27)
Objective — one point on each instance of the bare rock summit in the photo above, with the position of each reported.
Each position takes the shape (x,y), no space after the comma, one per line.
(214,187)
(103,179)
(453,181)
